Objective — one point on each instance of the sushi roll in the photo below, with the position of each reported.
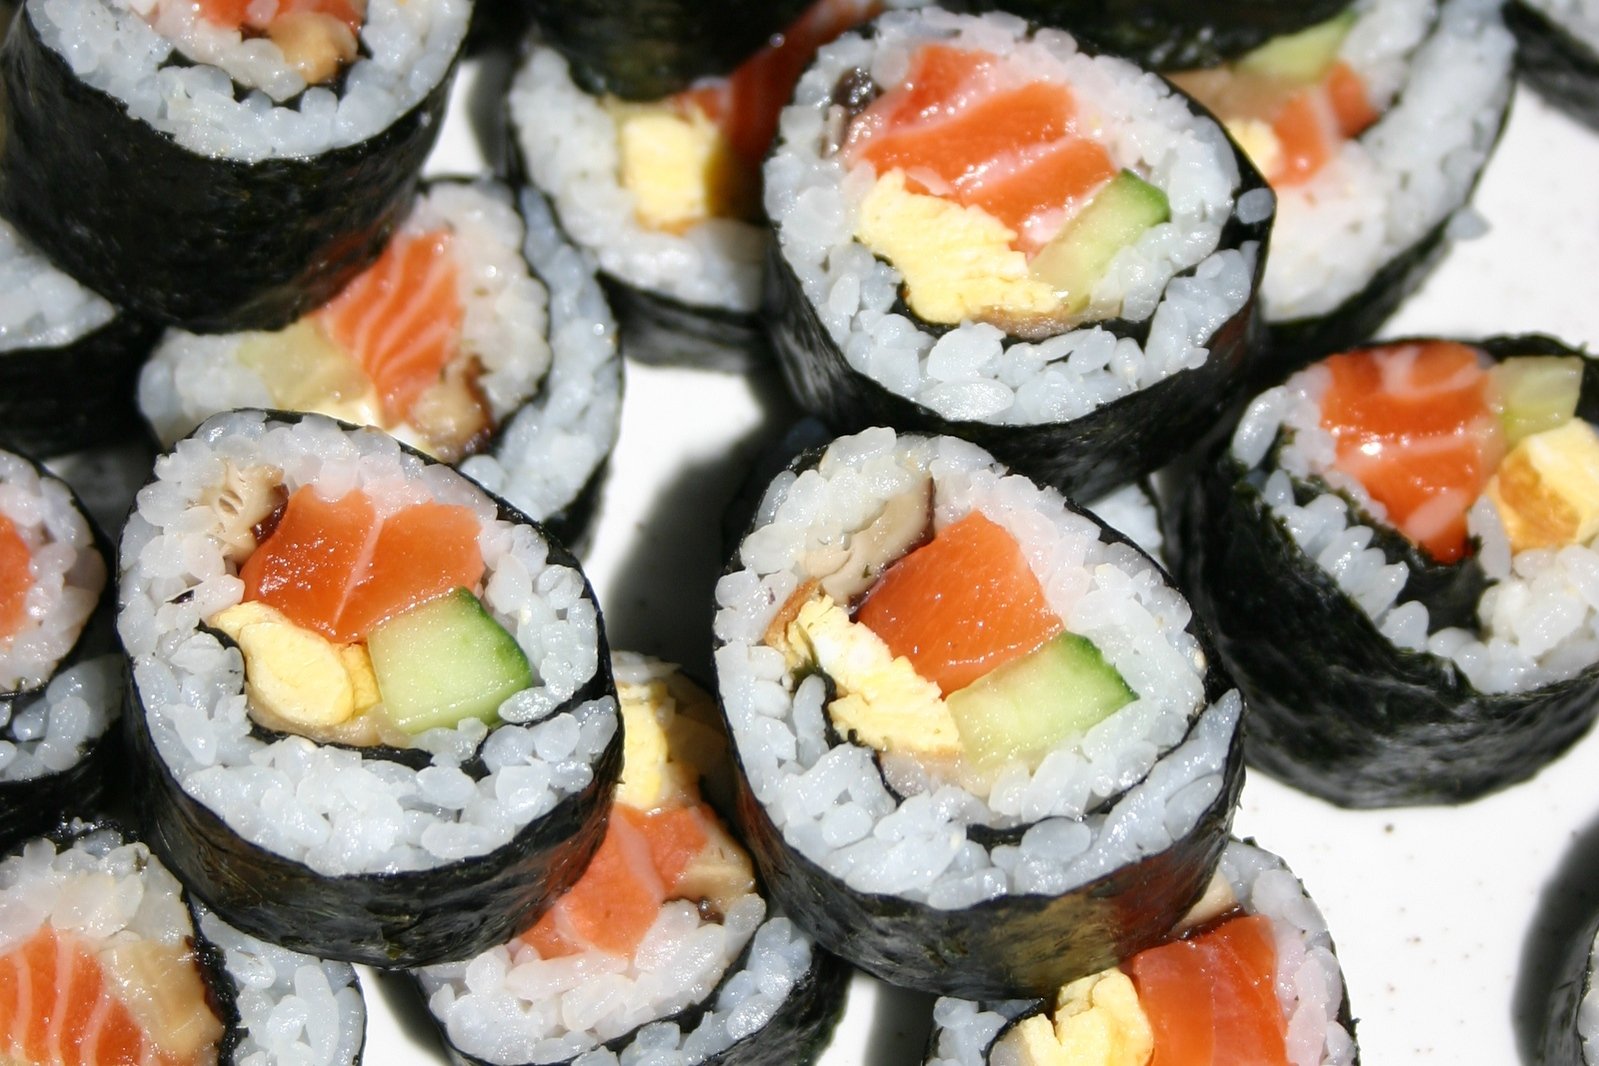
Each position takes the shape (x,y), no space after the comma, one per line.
(1557,53)
(107,959)
(985,231)
(666,947)
(1372,127)
(1394,553)
(372,705)
(60,673)
(983,748)
(664,189)
(479,337)
(1250,976)
(68,358)
(230,166)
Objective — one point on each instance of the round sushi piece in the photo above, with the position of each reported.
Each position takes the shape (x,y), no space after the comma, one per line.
(120,963)
(665,947)
(231,165)
(984,749)
(479,337)
(984,231)
(1251,974)
(1395,555)
(1557,52)
(1372,127)
(663,189)
(60,674)
(372,704)
(68,358)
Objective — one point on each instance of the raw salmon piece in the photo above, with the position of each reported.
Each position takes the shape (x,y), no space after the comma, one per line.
(236,14)
(961,605)
(1038,195)
(676,836)
(421,552)
(1210,998)
(1415,425)
(614,903)
(1351,105)
(1305,136)
(401,318)
(15,579)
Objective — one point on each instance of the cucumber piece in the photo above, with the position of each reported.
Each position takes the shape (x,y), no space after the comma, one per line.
(1301,57)
(1025,708)
(1081,252)
(444,661)
(1537,393)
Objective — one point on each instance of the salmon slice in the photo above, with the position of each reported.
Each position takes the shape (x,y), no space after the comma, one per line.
(1415,425)
(337,568)
(16,579)
(616,900)
(61,1006)
(1350,104)
(250,14)
(1210,998)
(401,319)
(961,605)
(1315,122)
(676,837)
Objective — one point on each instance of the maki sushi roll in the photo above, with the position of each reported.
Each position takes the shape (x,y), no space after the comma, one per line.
(1394,553)
(60,674)
(983,230)
(1250,976)
(68,358)
(479,337)
(663,188)
(372,704)
(105,958)
(983,749)
(665,945)
(1557,52)
(231,166)
(1372,127)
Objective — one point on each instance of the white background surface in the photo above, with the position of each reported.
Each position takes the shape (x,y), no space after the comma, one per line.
(1446,919)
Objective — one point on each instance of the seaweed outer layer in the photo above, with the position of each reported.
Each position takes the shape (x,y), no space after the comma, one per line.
(65,397)
(1173,34)
(1573,980)
(1560,66)
(1334,708)
(1084,458)
(238,246)
(647,49)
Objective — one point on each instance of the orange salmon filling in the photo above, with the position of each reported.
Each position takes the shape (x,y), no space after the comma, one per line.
(16,579)
(337,568)
(1315,122)
(962,605)
(1415,424)
(1210,998)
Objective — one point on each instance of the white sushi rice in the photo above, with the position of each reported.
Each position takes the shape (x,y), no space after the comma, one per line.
(41,307)
(1443,73)
(1175,276)
(251,106)
(1131,511)
(325,806)
(1536,624)
(833,806)
(48,733)
(68,575)
(546,342)
(1309,981)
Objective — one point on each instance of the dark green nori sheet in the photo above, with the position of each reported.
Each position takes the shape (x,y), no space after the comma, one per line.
(647,49)
(207,244)
(662,331)
(1334,708)
(1554,61)
(392,920)
(75,395)
(1172,34)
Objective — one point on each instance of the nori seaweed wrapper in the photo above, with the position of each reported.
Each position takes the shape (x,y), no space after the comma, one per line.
(1562,67)
(662,331)
(209,244)
(393,920)
(1172,34)
(647,49)
(1335,708)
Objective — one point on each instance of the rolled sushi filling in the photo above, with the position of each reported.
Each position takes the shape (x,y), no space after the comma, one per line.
(983,177)
(667,193)
(1371,127)
(916,642)
(665,907)
(41,307)
(290,580)
(1475,463)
